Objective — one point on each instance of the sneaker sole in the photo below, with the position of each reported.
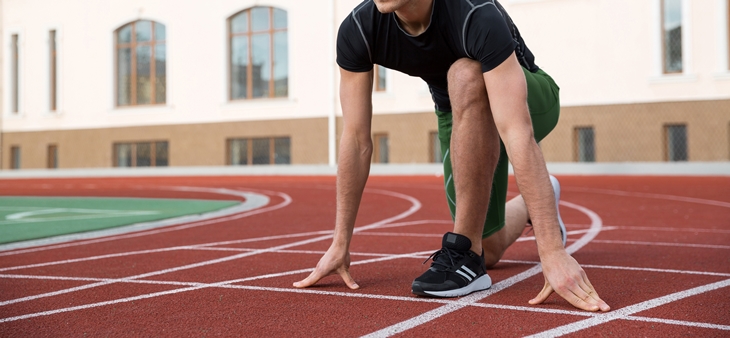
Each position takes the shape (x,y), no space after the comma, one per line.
(556,190)
(482,283)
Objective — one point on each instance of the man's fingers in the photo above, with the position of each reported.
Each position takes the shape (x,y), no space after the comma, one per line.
(582,299)
(313,277)
(543,295)
(591,291)
(348,279)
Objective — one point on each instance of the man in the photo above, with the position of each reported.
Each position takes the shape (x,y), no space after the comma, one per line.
(480,74)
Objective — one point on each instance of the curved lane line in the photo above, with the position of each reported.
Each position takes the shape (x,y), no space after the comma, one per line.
(648,195)
(416,205)
(596,224)
(253,201)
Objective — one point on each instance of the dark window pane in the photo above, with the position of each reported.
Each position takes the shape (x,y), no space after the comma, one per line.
(261,64)
(125,34)
(15,78)
(282,150)
(52,70)
(381,141)
(436,147)
(144,154)
(52,156)
(160,32)
(143,30)
(239,151)
(260,19)
(160,73)
(280,18)
(677,143)
(239,63)
(161,154)
(672,36)
(124,155)
(144,83)
(124,76)
(261,151)
(281,64)
(15,157)
(239,23)
(586,145)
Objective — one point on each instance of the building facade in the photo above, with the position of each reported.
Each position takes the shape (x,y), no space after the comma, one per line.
(246,82)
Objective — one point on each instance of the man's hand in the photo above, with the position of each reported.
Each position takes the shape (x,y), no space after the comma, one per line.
(564,276)
(334,261)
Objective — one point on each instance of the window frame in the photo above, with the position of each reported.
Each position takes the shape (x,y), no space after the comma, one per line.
(132,45)
(52,156)
(376,79)
(249,150)
(133,153)
(433,140)
(15,157)
(667,142)
(249,66)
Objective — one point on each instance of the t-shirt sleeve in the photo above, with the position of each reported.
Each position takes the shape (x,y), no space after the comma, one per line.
(353,53)
(488,38)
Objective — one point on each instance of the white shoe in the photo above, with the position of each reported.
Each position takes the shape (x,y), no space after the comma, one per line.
(556,190)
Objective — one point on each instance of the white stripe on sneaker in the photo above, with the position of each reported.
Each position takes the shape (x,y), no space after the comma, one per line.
(464,275)
(469,271)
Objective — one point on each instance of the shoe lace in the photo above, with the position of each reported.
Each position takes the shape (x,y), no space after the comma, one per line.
(444,258)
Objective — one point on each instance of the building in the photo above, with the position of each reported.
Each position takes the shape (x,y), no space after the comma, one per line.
(241,82)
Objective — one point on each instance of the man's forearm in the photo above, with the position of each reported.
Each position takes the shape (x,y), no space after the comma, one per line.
(352,174)
(534,184)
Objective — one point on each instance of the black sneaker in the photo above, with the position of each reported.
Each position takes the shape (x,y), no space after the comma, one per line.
(455,270)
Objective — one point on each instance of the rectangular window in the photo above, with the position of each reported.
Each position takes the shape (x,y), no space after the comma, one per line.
(52,157)
(672,35)
(265,150)
(141,154)
(380,153)
(14,74)
(52,70)
(15,157)
(435,147)
(585,146)
(676,142)
(380,79)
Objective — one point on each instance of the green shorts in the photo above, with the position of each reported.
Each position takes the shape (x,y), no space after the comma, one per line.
(544,103)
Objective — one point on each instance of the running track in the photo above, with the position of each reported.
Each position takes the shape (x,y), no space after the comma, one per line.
(657,250)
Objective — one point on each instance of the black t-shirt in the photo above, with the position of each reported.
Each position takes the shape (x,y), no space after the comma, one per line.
(476,29)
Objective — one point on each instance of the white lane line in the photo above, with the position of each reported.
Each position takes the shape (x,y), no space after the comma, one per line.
(713,231)
(629,268)
(426,317)
(686,245)
(648,195)
(183,247)
(629,310)
(679,322)
(415,206)
(344,294)
(253,205)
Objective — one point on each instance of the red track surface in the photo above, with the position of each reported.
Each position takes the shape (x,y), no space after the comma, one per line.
(658,254)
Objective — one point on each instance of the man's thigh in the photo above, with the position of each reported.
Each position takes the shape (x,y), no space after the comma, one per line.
(544,104)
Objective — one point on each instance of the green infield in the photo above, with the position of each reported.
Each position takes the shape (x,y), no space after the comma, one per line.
(25,218)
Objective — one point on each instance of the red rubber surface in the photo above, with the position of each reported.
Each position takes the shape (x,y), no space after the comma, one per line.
(660,236)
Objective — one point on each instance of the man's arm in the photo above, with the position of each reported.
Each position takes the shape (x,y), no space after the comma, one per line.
(353,168)
(507,92)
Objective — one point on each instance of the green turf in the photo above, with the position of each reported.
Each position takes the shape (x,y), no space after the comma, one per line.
(25,218)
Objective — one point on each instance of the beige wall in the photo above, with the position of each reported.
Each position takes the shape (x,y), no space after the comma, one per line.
(190,145)
(635,132)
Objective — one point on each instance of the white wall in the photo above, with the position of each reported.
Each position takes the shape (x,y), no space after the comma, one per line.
(599,52)
(196,62)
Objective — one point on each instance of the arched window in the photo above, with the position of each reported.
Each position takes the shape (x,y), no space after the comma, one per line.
(259,59)
(140,64)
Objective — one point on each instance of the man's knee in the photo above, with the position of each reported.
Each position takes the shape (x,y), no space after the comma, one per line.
(466,84)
